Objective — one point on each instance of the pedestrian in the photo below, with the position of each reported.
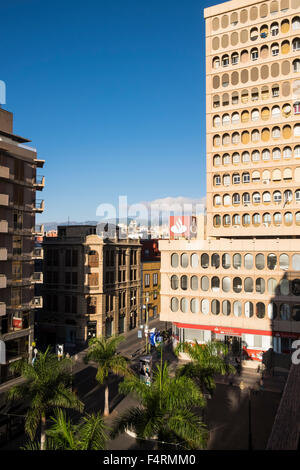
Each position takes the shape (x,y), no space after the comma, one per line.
(261,383)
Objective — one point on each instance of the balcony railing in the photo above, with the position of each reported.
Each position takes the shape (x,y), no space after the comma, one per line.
(3,199)
(38,230)
(3,226)
(3,281)
(39,182)
(38,253)
(4,172)
(3,254)
(37,277)
(37,302)
(39,163)
(2,309)
(39,205)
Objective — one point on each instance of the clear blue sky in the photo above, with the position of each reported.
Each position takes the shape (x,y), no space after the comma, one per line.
(112,94)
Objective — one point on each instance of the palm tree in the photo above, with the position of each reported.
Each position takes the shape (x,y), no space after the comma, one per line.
(166,411)
(89,434)
(47,385)
(206,361)
(103,351)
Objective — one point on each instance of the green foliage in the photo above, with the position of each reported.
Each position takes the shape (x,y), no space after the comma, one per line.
(103,351)
(89,434)
(206,361)
(166,411)
(47,385)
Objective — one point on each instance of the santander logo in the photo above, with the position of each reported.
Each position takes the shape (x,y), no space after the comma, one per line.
(178,227)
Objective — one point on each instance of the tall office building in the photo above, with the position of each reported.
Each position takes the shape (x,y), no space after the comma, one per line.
(241,282)
(18,207)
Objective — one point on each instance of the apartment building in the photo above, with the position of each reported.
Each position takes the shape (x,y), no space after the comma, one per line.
(19,205)
(150,277)
(241,282)
(91,286)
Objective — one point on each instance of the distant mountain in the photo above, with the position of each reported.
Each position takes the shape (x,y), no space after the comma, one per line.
(53,225)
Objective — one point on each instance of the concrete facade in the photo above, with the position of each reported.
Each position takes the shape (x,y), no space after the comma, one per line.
(240,281)
(18,206)
(91,286)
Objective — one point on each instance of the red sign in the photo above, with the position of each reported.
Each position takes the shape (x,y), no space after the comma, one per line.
(17,322)
(182,227)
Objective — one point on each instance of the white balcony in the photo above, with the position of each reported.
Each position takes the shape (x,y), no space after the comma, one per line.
(3,281)
(38,253)
(39,205)
(3,254)
(39,182)
(38,231)
(2,309)
(3,226)
(39,163)
(4,172)
(37,278)
(37,302)
(3,199)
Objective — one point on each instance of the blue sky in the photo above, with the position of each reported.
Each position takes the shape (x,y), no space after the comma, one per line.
(112,95)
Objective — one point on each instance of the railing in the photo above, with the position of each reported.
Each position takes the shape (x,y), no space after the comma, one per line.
(3,282)
(37,277)
(39,230)
(39,180)
(2,309)
(38,253)
(37,302)
(3,226)
(39,205)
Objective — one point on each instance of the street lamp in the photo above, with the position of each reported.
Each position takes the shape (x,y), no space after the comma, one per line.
(242,387)
(146,326)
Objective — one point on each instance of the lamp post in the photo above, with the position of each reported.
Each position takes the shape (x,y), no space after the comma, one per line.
(242,387)
(146,326)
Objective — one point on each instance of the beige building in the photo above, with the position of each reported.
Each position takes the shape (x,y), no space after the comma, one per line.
(91,286)
(19,182)
(241,282)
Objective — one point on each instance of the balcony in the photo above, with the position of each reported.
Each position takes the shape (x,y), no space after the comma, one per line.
(37,302)
(38,230)
(2,309)
(39,163)
(3,281)
(38,253)
(4,172)
(39,205)
(39,182)
(3,199)
(3,226)
(3,254)
(37,278)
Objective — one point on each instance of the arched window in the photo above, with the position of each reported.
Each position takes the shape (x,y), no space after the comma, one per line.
(260,285)
(204,260)
(226,307)
(195,306)
(272,261)
(248,261)
(237,284)
(248,284)
(237,261)
(205,306)
(194,282)
(194,260)
(174,260)
(184,260)
(285,312)
(226,261)
(174,282)
(184,305)
(204,283)
(174,304)
(260,310)
(215,284)
(259,261)
(237,309)
(248,309)
(226,284)
(184,282)
(215,307)
(215,260)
